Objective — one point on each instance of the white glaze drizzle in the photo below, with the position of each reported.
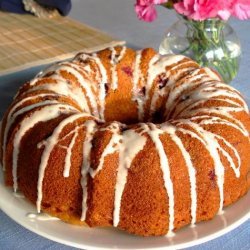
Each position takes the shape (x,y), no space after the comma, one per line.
(152,73)
(72,69)
(212,74)
(176,91)
(46,113)
(219,84)
(126,157)
(102,81)
(202,94)
(136,79)
(102,96)
(229,158)
(69,151)
(13,114)
(102,92)
(157,94)
(114,77)
(51,68)
(18,195)
(141,98)
(156,68)
(212,147)
(112,146)
(50,144)
(217,119)
(114,61)
(172,78)
(122,53)
(154,134)
(171,130)
(210,142)
(41,217)
(235,168)
(61,87)
(238,107)
(91,128)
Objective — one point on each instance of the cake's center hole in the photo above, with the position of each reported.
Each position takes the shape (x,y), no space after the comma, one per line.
(129,106)
(122,111)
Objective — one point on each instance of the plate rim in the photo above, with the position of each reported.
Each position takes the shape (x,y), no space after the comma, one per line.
(42,233)
(177,246)
(201,240)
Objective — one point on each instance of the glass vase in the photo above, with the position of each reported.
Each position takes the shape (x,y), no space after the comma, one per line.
(212,43)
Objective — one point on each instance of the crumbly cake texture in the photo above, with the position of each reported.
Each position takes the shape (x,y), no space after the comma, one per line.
(130,139)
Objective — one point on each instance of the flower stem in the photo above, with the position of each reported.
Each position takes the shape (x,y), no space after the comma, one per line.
(208,47)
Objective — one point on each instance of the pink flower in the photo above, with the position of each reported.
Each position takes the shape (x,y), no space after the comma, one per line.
(201,9)
(224,14)
(198,10)
(241,9)
(145,9)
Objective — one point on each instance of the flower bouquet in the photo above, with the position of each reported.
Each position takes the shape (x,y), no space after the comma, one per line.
(202,32)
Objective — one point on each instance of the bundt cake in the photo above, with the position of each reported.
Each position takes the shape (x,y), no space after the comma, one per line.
(129,139)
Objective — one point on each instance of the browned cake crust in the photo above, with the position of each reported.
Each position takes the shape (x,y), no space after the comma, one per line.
(129,139)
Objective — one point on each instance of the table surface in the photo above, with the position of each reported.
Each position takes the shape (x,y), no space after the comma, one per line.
(117,18)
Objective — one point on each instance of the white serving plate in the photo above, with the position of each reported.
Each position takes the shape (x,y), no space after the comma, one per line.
(17,208)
